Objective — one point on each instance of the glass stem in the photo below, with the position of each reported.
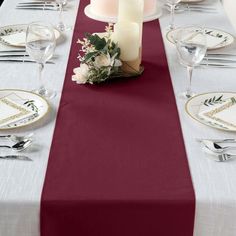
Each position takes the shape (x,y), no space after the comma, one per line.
(60,13)
(172,15)
(190,73)
(42,89)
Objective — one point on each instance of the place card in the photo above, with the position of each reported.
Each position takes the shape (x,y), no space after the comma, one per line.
(16,38)
(223,114)
(12,112)
(211,40)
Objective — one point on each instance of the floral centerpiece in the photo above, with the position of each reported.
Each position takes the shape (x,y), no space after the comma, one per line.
(99,59)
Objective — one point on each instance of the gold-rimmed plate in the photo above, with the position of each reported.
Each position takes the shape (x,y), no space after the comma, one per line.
(14,35)
(215,38)
(208,100)
(29,100)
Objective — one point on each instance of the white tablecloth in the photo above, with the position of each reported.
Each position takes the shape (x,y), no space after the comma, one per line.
(214,183)
(21,182)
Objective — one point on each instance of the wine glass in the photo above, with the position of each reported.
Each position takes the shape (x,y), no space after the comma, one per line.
(172,4)
(191,49)
(61,26)
(40,45)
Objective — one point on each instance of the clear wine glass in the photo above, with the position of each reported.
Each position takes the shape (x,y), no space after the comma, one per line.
(191,49)
(61,25)
(172,4)
(40,45)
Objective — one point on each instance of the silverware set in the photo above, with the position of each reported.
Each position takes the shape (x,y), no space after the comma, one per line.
(38,5)
(20,144)
(182,7)
(217,149)
(17,56)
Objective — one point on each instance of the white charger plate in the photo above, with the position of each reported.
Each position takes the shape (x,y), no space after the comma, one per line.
(228,39)
(90,14)
(30,100)
(14,29)
(191,1)
(193,105)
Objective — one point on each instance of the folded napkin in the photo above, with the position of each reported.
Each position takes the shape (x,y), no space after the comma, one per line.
(12,112)
(16,38)
(220,114)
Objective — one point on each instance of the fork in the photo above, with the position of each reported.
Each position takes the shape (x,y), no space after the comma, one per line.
(38,6)
(220,157)
(181,8)
(224,157)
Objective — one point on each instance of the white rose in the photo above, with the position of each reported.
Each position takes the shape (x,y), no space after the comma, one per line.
(81,74)
(102,60)
(117,63)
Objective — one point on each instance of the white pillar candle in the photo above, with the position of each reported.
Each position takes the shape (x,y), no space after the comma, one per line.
(132,11)
(127,34)
(150,7)
(230,8)
(110,7)
(104,7)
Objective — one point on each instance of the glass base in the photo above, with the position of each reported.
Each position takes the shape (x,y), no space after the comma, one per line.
(186,95)
(45,93)
(170,27)
(62,27)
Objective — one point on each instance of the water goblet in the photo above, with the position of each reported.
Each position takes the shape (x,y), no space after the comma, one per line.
(172,4)
(61,26)
(40,45)
(191,49)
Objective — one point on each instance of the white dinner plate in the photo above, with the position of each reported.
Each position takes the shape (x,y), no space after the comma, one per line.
(227,38)
(194,104)
(31,101)
(14,35)
(90,14)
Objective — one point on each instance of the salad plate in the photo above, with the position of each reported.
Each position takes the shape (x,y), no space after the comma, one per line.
(215,38)
(14,35)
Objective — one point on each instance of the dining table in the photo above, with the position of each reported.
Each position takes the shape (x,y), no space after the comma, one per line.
(123,157)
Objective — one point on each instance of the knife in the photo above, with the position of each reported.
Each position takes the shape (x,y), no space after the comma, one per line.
(217,59)
(38,5)
(21,60)
(9,51)
(14,55)
(226,140)
(218,65)
(16,157)
(37,8)
(221,54)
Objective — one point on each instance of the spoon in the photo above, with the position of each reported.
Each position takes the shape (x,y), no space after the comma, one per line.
(17,138)
(20,146)
(215,147)
(220,157)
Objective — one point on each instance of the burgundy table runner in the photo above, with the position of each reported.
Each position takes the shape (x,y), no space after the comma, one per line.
(117,165)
